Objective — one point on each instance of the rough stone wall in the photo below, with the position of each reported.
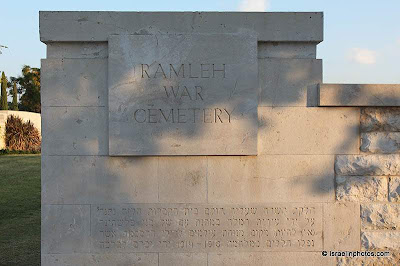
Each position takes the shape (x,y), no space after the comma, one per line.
(372,180)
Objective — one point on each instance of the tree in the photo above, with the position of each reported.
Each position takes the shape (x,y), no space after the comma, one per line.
(29,87)
(4,103)
(15,97)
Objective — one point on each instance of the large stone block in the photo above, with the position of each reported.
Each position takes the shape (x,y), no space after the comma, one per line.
(302,130)
(381,240)
(73,50)
(235,179)
(342,226)
(74,82)
(137,259)
(367,165)
(380,216)
(74,131)
(183,259)
(392,259)
(289,82)
(281,178)
(269,259)
(287,50)
(65,229)
(380,142)
(394,189)
(93,179)
(359,95)
(361,188)
(183,94)
(185,176)
(58,26)
(380,119)
(201,228)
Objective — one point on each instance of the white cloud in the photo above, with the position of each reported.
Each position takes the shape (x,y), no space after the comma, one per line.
(363,56)
(398,41)
(253,5)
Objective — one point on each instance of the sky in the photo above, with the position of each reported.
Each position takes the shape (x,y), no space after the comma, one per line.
(361,37)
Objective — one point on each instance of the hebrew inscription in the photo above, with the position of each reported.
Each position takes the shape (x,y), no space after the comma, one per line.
(183,94)
(206,228)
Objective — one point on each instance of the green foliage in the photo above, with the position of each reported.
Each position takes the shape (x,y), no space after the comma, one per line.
(20,210)
(15,97)
(10,152)
(29,87)
(21,136)
(4,103)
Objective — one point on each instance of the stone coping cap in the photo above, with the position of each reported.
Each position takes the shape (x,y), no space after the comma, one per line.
(96,26)
(359,94)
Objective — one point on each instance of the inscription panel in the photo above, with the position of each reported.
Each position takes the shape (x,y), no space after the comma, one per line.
(183,94)
(206,227)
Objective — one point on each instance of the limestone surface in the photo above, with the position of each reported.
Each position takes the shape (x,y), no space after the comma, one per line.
(99,179)
(376,216)
(183,94)
(380,142)
(367,165)
(233,179)
(359,95)
(59,26)
(394,189)
(270,178)
(139,259)
(307,50)
(380,119)
(201,228)
(380,240)
(74,131)
(247,166)
(342,226)
(65,229)
(304,130)
(87,88)
(393,259)
(187,177)
(360,188)
(270,258)
(289,82)
(182,259)
(75,50)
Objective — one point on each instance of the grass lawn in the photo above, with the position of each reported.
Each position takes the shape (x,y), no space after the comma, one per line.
(20,210)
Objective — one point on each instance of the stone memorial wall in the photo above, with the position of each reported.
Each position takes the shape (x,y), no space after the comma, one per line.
(209,138)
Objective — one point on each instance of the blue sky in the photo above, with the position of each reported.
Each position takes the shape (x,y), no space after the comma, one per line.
(361,38)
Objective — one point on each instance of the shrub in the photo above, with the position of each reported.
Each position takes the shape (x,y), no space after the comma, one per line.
(21,136)
(9,152)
